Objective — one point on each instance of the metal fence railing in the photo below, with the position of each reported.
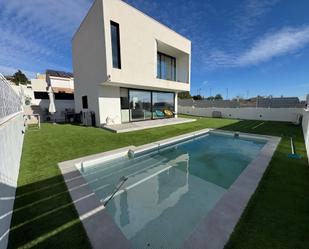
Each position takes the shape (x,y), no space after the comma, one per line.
(10,101)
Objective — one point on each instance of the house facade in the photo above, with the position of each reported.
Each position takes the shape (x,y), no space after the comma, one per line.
(127,66)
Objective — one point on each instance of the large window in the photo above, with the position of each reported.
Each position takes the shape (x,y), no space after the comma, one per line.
(166,67)
(140,105)
(115,45)
(145,105)
(162,101)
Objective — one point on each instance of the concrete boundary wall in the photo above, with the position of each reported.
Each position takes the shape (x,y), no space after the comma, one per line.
(11,141)
(306,130)
(60,104)
(266,114)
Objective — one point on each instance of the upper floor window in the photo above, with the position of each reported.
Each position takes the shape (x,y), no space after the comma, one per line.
(166,67)
(115,45)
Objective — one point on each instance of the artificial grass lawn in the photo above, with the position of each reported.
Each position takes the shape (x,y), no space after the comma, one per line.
(277,215)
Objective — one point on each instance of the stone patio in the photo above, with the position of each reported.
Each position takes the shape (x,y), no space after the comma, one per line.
(127,127)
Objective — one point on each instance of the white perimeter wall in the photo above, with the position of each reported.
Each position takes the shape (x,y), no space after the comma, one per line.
(267,114)
(60,104)
(306,129)
(11,140)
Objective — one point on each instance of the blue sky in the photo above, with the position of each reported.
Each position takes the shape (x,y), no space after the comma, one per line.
(249,47)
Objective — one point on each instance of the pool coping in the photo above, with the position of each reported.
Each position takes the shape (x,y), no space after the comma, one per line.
(216,227)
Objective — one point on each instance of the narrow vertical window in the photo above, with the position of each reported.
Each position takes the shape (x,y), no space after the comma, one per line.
(85,102)
(115,45)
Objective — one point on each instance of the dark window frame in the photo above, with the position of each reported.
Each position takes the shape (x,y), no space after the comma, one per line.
(173,66)
(85,102)
(115,64)
(40,95)
(64,96)
(151,103)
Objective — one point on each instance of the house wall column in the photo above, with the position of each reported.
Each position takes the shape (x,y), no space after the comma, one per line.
(109,104)
(176,104)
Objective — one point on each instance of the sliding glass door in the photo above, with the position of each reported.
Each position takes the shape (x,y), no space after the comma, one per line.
(146,105)
(162,101)
(140,105)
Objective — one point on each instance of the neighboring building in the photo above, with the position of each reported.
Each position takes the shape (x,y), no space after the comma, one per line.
(62,84)
(9,78)
(281,102)
(127,66)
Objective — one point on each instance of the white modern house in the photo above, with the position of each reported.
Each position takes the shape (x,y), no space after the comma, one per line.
(127,66)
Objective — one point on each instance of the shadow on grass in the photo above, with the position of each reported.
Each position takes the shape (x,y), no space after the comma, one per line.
(45,217)
(280,129)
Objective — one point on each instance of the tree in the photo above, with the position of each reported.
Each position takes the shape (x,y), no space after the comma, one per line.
(184,95)
(20,78)
(210,98)
(197,97)
(218,97)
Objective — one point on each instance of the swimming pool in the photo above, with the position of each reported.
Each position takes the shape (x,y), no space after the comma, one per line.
(171,189)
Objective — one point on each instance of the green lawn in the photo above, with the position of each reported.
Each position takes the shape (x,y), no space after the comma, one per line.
(44,217)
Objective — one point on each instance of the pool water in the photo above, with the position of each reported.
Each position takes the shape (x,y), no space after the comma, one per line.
(168,192)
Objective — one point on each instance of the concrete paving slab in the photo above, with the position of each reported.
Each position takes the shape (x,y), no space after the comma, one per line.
(147,124)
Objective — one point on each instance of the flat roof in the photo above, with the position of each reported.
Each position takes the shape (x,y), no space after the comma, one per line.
(141,12)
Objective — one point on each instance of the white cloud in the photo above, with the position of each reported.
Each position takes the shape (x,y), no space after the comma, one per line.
(282,42)
(36,34)
(285,41)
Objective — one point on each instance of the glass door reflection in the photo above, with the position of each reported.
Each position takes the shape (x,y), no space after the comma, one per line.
(140,105)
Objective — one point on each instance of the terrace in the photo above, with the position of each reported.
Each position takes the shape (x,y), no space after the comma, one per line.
(135,126)
(44,215)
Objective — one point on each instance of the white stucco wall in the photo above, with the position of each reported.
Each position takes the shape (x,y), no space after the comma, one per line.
(39,85)
(23,90)
(11,138)
(60,105)
(268,114)
(109,102)
(61,82)
(139,37)
(89,61)
(176,104)
(306,129)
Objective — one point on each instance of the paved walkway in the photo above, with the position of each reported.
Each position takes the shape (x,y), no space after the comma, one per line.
(134,126)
